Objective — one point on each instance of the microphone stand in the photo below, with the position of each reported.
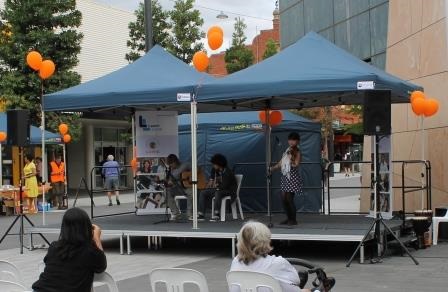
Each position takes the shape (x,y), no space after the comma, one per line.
(269,180)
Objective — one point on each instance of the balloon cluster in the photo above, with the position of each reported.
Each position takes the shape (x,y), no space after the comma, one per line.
(422,105)
(63,130)
(215,38)
(275,117)
(45,67)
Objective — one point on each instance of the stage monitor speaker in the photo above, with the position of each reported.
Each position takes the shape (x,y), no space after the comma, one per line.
(18,127)
(377,113)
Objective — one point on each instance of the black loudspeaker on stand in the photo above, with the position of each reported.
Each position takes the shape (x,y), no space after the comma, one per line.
(19,135)
(377,123)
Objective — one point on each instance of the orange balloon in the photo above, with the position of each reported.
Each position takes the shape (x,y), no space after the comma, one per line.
(200,61)
(34,60)
(417,94)
(214,29)
(276,118)
(47,69)
(431,107)
(215,40)
(63,129)
(262,116)
(418,106)
(66,138)
(134,164)
(3,136)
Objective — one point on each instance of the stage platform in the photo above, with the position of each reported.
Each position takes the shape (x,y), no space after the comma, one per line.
(311,227)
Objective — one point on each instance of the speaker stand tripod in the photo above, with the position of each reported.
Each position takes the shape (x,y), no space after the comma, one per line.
(20,217)
(378,220)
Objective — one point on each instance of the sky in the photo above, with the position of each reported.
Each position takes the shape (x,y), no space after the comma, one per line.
(257,14)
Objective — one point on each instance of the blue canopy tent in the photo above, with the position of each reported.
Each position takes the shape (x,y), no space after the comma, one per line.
(221,132)
(313,72)
(154,79)
(35,133)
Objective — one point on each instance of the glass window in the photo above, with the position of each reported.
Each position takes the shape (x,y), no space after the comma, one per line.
(358,29)
(341,33)
(378,26)
(344,9)
(328,34)
(97,134)
(109,135)
(379,61)
(318,14)
(374,3)
(292,25)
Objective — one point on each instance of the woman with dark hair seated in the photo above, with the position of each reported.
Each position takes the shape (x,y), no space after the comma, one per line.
(72,260)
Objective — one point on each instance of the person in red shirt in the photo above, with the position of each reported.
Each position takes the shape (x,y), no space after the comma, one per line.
(57,168)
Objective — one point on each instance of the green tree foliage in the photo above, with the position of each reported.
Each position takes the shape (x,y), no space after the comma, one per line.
(356,128)
(161,28)
(238,56)
(271,49)
(48,27)
(186,30)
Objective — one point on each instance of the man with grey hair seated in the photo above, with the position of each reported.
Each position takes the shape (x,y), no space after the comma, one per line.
(111,173)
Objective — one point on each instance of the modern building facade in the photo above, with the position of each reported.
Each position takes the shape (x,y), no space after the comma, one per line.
(407,38)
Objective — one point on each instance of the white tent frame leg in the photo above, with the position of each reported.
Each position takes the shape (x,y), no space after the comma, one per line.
(194,161)
(44,162)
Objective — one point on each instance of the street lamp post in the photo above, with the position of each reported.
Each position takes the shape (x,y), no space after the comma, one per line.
(148,25)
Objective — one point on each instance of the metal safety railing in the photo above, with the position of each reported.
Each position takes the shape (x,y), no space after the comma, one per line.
(92,190)
(262,165)
(405,189)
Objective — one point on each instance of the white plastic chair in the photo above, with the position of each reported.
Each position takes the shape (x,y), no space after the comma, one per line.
(106,278)
(176,278)
(251,281)
(435,226)
(8,286)
(239,180)
(9,272)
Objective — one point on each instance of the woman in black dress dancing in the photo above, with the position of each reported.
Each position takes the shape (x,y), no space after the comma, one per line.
(291,181)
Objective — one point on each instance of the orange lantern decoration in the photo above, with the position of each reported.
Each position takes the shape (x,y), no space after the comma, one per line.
(276,118)
(418,106)
(200,61)
(431,106)
(215,29)
(66,138)
(3,136)
(47,69)
(63,129)
(417,94)
(34,60)
(215,40)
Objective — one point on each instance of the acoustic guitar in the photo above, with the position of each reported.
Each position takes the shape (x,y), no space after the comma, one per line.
(186,179)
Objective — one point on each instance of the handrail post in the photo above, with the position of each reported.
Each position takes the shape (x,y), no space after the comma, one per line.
(403,195)
(331,164)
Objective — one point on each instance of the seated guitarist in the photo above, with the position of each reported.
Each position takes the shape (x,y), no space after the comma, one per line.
(175,188)
(222,183)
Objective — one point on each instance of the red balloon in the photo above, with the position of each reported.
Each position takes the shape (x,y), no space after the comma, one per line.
(431,107)
(417,94)
(34,60)
(200,61)
(418,106)
(276,118)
